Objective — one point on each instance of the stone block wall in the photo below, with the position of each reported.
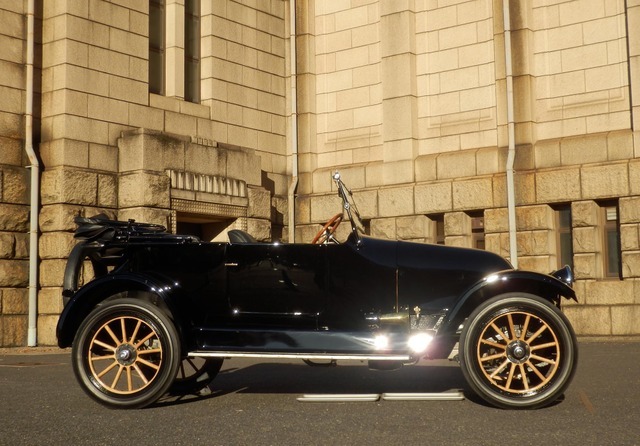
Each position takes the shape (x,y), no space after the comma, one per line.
(14,179)
(93,87)
(406,99)
(433,145)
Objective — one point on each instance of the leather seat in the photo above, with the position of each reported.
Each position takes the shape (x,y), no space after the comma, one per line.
(238,236)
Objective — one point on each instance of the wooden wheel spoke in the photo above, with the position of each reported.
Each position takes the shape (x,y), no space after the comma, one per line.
(499,369)
(500,332)
(129,380)
(112,334)
(105,345)
(525,326)
(510,378)
(492,357)
(541,346)
(512,329)
(102,358)
(542,359)
(117,377)
(123,328)
(147,363)
(142,376)
(536,371)
(145,339)
(149,351)
(523,373)
(493,344)
(536,334)
(135,332)
(107,369)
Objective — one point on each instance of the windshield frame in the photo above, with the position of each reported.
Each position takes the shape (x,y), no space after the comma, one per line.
(349,206)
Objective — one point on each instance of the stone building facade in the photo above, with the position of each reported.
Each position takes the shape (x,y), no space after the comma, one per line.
(202,116)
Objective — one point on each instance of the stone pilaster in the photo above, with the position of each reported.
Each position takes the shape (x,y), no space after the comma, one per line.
(399,90)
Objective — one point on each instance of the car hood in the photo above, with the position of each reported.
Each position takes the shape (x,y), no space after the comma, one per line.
(431,276)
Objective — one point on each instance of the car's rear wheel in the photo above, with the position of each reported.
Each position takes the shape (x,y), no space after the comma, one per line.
(194,374)
(126,353)
(518,351)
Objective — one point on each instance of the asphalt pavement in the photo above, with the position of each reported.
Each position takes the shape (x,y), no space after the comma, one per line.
(256,403)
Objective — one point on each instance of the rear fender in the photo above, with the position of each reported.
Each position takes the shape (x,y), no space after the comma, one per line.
(103,288)
(72,271)
(548,287)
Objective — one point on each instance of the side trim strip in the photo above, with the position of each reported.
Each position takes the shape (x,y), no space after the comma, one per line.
(201,354)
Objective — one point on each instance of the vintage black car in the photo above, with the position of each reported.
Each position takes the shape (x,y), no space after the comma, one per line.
(164,310)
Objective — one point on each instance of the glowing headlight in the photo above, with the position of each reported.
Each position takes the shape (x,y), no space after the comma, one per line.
(419,342)
(381,342)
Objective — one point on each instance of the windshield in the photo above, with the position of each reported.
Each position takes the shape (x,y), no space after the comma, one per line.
(349,205)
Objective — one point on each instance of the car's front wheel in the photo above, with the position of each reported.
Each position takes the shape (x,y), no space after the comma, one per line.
(126,353)
(518,351)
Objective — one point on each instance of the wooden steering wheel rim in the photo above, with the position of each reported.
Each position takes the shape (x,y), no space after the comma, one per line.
(331,225)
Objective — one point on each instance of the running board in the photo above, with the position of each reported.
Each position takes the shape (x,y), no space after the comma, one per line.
(372,397)
(346,357)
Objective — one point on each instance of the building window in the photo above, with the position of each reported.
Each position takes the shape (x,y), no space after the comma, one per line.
(611,242)
(477,231)
(192,51)
(205,227)
(437,229)
(564,239)
(156,46)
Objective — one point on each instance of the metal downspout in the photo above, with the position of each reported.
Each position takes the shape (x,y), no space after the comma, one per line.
(35,189)
(294,125)
(511,195)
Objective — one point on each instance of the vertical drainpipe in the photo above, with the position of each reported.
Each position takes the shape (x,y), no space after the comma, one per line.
(511,195)
(294,124)
(35,190)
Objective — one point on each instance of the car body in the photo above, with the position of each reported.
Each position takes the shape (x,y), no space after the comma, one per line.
(160,302)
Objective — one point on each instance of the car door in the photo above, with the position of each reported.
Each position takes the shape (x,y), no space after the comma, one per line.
(278,285)
(362,283)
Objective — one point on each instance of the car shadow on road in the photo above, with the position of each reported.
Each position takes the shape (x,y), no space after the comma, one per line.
(302,379)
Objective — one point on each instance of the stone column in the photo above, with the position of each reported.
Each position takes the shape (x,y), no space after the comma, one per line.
(536,238)
(586,240)
(633,39)
(306,91)
(174,51)
(144,188)
(630,237)
(457,229)
(399,90)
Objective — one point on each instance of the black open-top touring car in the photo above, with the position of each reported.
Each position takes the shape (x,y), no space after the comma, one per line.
(164,310)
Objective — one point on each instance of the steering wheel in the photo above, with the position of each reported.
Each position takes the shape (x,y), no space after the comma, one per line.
(328,229)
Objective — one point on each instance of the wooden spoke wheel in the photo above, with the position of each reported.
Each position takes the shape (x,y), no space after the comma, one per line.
(518,351)
(126,353)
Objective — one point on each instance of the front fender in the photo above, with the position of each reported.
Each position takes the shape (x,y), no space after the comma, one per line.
(543,285)
(96,291)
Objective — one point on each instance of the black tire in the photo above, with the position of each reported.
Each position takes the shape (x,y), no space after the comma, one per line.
(194,374)
(518,351)
(126,354)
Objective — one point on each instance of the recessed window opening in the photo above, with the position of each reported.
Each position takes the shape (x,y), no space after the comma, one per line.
(437,222)
(477,230)
(564,236)
(205,227)
(192,51)
(156,46)
(611,243)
